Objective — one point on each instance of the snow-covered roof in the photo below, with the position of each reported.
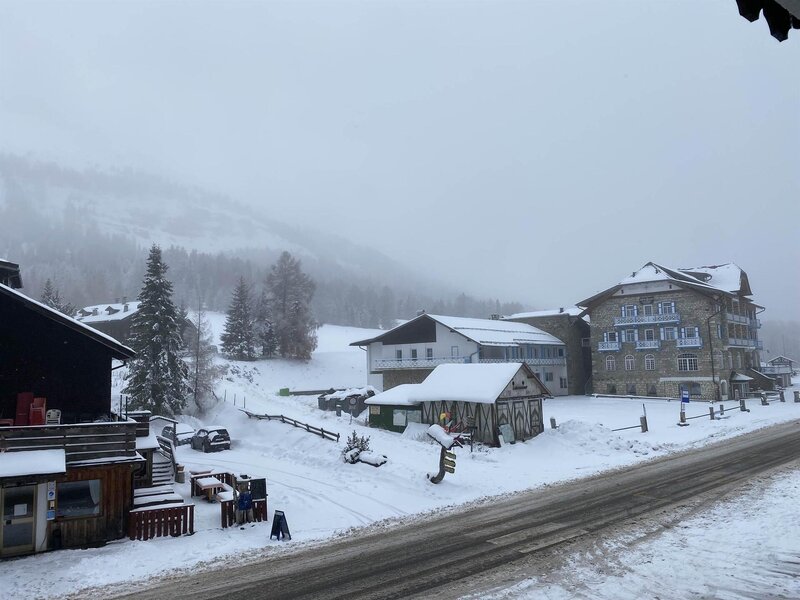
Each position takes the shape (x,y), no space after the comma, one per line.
(107,312)
(32,462)
(572,311)
(494,332)
(740,377)
(148,442)
(396,396)
(782,359)
(472,382)
(727,278)
(486,332)
(120,351)
(342,394)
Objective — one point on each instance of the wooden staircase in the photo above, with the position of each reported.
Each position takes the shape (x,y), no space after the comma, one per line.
(163,469)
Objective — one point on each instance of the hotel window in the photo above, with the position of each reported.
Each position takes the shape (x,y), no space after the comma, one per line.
(649,362)
(687,362)
(670,333)
(429,353)
(629,310)
(666,308)
(630,335)
(413,354)
(611,336)
(611,363)
(629,362)
(563,382)
(548,376)
(398,354)
(649,334)
(647,309)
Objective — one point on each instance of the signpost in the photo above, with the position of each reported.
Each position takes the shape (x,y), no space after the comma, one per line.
(280,527)
(684,402)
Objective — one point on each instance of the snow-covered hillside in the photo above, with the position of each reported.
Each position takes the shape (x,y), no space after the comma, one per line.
(323,497)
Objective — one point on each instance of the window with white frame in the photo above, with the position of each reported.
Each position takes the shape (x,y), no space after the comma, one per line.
(413,354)
(649,362)
(611,363)
(429,353)
(687,362)
(562,382)
(630,362)
(689,332)
(629,310)
(649,334)
(398,354)
(454,351)
(670,333)
(647,309)
(548,376)
(666,308)
(611,336)
(630,335)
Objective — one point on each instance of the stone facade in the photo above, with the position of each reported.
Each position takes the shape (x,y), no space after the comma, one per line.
(659,338)
(394,377)
(571,330)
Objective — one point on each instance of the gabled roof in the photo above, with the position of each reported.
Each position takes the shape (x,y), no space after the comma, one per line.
(726,279)
(118,351)
(486,332)
(10,274)
(480,383)
(107,312)
(781,357)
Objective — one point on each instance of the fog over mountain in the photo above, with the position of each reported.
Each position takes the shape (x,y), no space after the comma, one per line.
(88,231)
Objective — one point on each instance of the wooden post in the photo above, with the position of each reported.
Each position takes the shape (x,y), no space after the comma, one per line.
(553,423)
(743,406)
(797,395)
(764,399)
(783,398)
(643,423)
(711,412)
(721,410)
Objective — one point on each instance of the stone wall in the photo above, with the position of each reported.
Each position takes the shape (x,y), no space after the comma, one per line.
(394,377)
(694,309)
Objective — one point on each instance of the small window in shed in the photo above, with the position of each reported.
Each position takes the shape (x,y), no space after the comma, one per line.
(399,418)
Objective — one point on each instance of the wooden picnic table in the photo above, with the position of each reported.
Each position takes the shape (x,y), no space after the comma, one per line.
(210,486)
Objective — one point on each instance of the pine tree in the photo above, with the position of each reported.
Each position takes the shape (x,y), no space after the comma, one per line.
(52,298)
(238,340)
(202,371)
(264,331)
(157,378)
(289,293)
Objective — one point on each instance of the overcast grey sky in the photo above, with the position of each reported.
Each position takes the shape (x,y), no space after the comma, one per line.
(535,151)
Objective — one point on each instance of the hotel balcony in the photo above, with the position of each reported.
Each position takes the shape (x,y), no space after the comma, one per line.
(746,343)
(430,363)
(647,319)
(648,344)
(608,346)
(732,318)
(689,342)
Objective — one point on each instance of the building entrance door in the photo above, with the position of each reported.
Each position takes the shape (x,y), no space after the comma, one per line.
(18,526)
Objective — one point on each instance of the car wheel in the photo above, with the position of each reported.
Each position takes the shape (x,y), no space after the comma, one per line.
(206,447)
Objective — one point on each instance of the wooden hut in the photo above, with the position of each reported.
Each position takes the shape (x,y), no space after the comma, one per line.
(492,399)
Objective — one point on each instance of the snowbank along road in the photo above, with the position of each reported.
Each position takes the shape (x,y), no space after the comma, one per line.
(443,556)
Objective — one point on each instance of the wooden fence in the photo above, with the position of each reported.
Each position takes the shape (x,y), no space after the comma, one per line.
(80,442)
(328,435)
(168,520)
(228,514)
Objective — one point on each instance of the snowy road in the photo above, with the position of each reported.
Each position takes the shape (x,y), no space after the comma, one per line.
(455,554)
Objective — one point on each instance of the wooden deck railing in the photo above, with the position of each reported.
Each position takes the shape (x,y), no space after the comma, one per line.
(167,520)
(80,442)
(228,515)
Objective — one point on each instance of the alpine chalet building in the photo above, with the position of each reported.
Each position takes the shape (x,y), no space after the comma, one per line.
(663,330)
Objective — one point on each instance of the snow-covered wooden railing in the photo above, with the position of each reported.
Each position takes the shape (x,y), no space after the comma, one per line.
(328,435)
(228,511)
(81,441)
(166,520)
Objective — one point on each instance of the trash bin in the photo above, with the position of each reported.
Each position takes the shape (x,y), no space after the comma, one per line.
(180,475)
(323,403)
(283,392)
(338,408)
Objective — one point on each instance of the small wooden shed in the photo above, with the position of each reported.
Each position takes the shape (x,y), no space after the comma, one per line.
(492,398)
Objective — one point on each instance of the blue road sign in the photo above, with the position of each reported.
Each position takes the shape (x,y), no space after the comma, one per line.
(685,396)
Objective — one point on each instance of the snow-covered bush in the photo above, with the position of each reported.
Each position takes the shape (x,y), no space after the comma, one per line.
(355,445)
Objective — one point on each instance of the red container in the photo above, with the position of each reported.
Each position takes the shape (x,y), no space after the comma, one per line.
(24,402)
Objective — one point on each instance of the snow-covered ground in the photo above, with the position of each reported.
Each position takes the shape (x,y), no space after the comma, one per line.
(324,497)
(747,546)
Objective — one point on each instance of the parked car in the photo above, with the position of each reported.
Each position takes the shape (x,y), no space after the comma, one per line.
(209,439)
(181,434)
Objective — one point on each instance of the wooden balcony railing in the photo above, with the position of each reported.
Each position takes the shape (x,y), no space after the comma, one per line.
(82,442)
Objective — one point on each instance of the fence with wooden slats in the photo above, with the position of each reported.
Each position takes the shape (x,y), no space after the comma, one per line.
(80,442)
(228,514)
(169,520)
(328,435)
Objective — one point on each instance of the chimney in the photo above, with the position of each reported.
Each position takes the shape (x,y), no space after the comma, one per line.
(116,300)
(633,274)
(125,307)
(561,310)
(421,311)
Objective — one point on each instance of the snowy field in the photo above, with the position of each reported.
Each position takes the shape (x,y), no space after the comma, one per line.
(324,497)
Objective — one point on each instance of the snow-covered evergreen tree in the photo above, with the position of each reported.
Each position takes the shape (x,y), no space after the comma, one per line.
(289,293)
(238,339)
(157,378)
(203,374)
(52,297)
(264,331)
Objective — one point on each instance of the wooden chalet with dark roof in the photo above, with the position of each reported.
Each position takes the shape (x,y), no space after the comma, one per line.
(66,463)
